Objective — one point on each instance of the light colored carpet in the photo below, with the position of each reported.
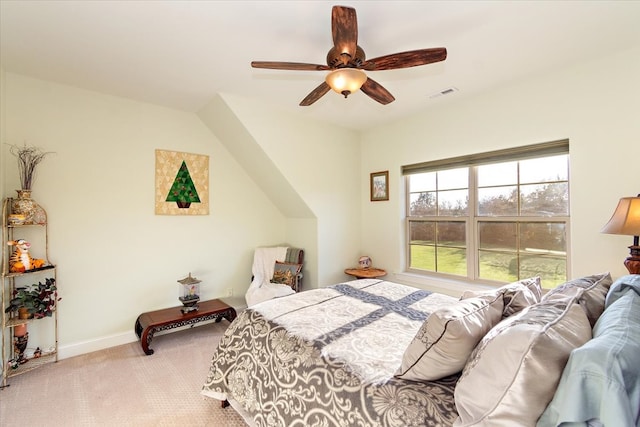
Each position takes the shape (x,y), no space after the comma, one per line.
(121,386)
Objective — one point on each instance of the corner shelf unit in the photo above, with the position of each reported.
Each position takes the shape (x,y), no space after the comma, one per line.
(11,280)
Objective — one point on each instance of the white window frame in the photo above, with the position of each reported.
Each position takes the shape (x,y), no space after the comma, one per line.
(472,219)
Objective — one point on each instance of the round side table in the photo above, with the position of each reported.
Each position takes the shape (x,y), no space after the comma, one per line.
(365,273)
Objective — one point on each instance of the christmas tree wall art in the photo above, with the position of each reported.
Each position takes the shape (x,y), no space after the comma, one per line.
(183,192)
(182,183)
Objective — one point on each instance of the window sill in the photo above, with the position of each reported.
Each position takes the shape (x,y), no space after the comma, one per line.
(450,287)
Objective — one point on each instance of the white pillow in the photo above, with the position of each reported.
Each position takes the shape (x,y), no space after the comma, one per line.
(446,339)
(512,374)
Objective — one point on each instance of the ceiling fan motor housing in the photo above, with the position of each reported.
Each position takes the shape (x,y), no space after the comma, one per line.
(336,59)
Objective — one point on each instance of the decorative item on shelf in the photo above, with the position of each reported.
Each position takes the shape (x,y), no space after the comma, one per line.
(20,345)
(25,206)
(23,313)
(13,363)
(21,337)
(364,262)
(16,219)
(189,293)
(20,330)
(626,220)
(29,158)
(39,300)
(20,260)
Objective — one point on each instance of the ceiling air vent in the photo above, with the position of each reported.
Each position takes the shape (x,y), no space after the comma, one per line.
(443,92)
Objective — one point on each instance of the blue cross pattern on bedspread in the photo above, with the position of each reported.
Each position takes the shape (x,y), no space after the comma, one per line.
(387,306)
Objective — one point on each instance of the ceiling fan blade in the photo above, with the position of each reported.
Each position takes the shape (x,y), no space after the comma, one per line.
(344,29)
(315,94)
(412,58)
(296,66)
(377,92)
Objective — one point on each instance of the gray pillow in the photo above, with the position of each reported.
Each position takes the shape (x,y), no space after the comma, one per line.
(513,372)
(592,299)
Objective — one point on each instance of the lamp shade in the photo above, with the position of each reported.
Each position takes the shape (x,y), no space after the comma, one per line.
(346,80)
(625,219)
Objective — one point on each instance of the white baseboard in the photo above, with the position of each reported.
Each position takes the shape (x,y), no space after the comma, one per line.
(83,347)
(101,343)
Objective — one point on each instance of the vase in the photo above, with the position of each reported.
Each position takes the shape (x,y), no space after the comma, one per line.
(20,345)
(23,313)
(20,330)
(24,205)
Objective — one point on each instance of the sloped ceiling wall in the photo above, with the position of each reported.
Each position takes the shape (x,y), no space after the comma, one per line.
(309,169)
(222,121)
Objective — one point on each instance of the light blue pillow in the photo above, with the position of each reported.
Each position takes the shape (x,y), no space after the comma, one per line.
(601,382)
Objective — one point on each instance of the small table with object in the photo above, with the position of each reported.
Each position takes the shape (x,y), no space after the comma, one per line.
(365,273)
(151,322)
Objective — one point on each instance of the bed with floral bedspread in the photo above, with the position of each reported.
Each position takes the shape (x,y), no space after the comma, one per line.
(327,357)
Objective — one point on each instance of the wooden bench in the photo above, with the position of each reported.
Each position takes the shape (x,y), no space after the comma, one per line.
(151,322)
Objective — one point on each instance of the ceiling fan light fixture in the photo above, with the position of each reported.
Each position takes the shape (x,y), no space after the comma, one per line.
(345,81)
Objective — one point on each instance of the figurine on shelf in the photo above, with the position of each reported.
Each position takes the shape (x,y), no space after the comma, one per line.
(20,259)
(13,364)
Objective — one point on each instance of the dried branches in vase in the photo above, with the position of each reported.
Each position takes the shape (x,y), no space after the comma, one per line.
(29,158)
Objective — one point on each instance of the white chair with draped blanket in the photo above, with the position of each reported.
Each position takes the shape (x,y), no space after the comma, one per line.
(277,272)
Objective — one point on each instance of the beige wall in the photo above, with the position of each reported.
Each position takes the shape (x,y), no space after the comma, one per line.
(116,258)
(595,105)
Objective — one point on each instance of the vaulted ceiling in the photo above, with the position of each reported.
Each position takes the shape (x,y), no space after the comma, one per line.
(181,53)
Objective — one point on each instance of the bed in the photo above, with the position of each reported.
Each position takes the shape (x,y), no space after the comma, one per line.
(376,353)
(328,356)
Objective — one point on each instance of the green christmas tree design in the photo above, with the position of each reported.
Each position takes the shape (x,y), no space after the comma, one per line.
(183,191)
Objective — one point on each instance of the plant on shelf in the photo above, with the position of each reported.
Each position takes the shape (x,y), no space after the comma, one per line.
(29,158)
(39,299)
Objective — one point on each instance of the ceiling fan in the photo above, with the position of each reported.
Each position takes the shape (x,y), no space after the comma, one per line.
(346,62)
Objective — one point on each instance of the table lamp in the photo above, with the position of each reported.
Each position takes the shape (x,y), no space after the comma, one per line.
(626,220)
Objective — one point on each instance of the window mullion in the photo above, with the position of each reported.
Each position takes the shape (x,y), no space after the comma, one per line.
(472,226)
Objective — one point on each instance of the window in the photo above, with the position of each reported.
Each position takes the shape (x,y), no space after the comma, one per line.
(499,216)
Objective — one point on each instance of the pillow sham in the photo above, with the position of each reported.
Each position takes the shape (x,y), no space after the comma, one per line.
(285,273)
(513,372)
(445,340)
(601,380)
(592,299)
(516,295)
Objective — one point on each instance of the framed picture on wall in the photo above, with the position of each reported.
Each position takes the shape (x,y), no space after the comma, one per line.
(182,183)
(379,186)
